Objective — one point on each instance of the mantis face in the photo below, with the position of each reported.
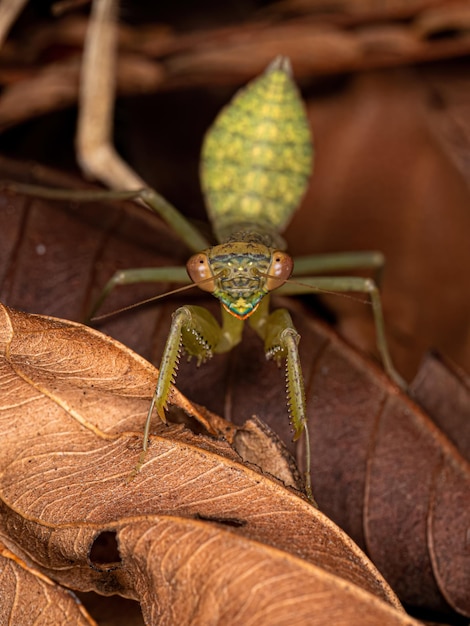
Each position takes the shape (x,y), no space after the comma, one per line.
(242,274)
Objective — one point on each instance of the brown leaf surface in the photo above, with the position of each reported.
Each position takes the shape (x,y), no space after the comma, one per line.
(205,574)
(29,597)
(64,487)
(380,467)
(450,410)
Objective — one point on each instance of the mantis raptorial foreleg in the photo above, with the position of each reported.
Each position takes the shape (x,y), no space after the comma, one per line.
(196,330)
(281,341)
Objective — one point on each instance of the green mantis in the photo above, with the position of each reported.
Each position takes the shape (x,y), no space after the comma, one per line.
(255,166)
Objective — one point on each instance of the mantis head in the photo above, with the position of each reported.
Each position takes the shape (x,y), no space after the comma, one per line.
(240,274)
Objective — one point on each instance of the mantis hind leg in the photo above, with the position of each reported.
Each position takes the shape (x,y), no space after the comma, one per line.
(95,149)
(350,284)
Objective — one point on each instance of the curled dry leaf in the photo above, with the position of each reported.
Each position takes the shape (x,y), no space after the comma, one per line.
(255,442)
(204,574)
(29,597)
(73,406)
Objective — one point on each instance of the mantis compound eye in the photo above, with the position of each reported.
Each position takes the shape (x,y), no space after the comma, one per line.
(200,272)
(280,269)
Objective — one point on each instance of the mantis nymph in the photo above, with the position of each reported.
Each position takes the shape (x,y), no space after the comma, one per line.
(255,166)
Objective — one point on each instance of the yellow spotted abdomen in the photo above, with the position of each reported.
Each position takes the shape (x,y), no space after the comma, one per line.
(257,156)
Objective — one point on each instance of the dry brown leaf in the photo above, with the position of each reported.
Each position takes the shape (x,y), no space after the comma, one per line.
(443,19)
(207,575)
(73,407)
(380,469)
(30,598)
(380,465)
(257,444)
(449,410)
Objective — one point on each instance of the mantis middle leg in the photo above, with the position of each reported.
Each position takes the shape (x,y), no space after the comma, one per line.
(139,275)
(349,284)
